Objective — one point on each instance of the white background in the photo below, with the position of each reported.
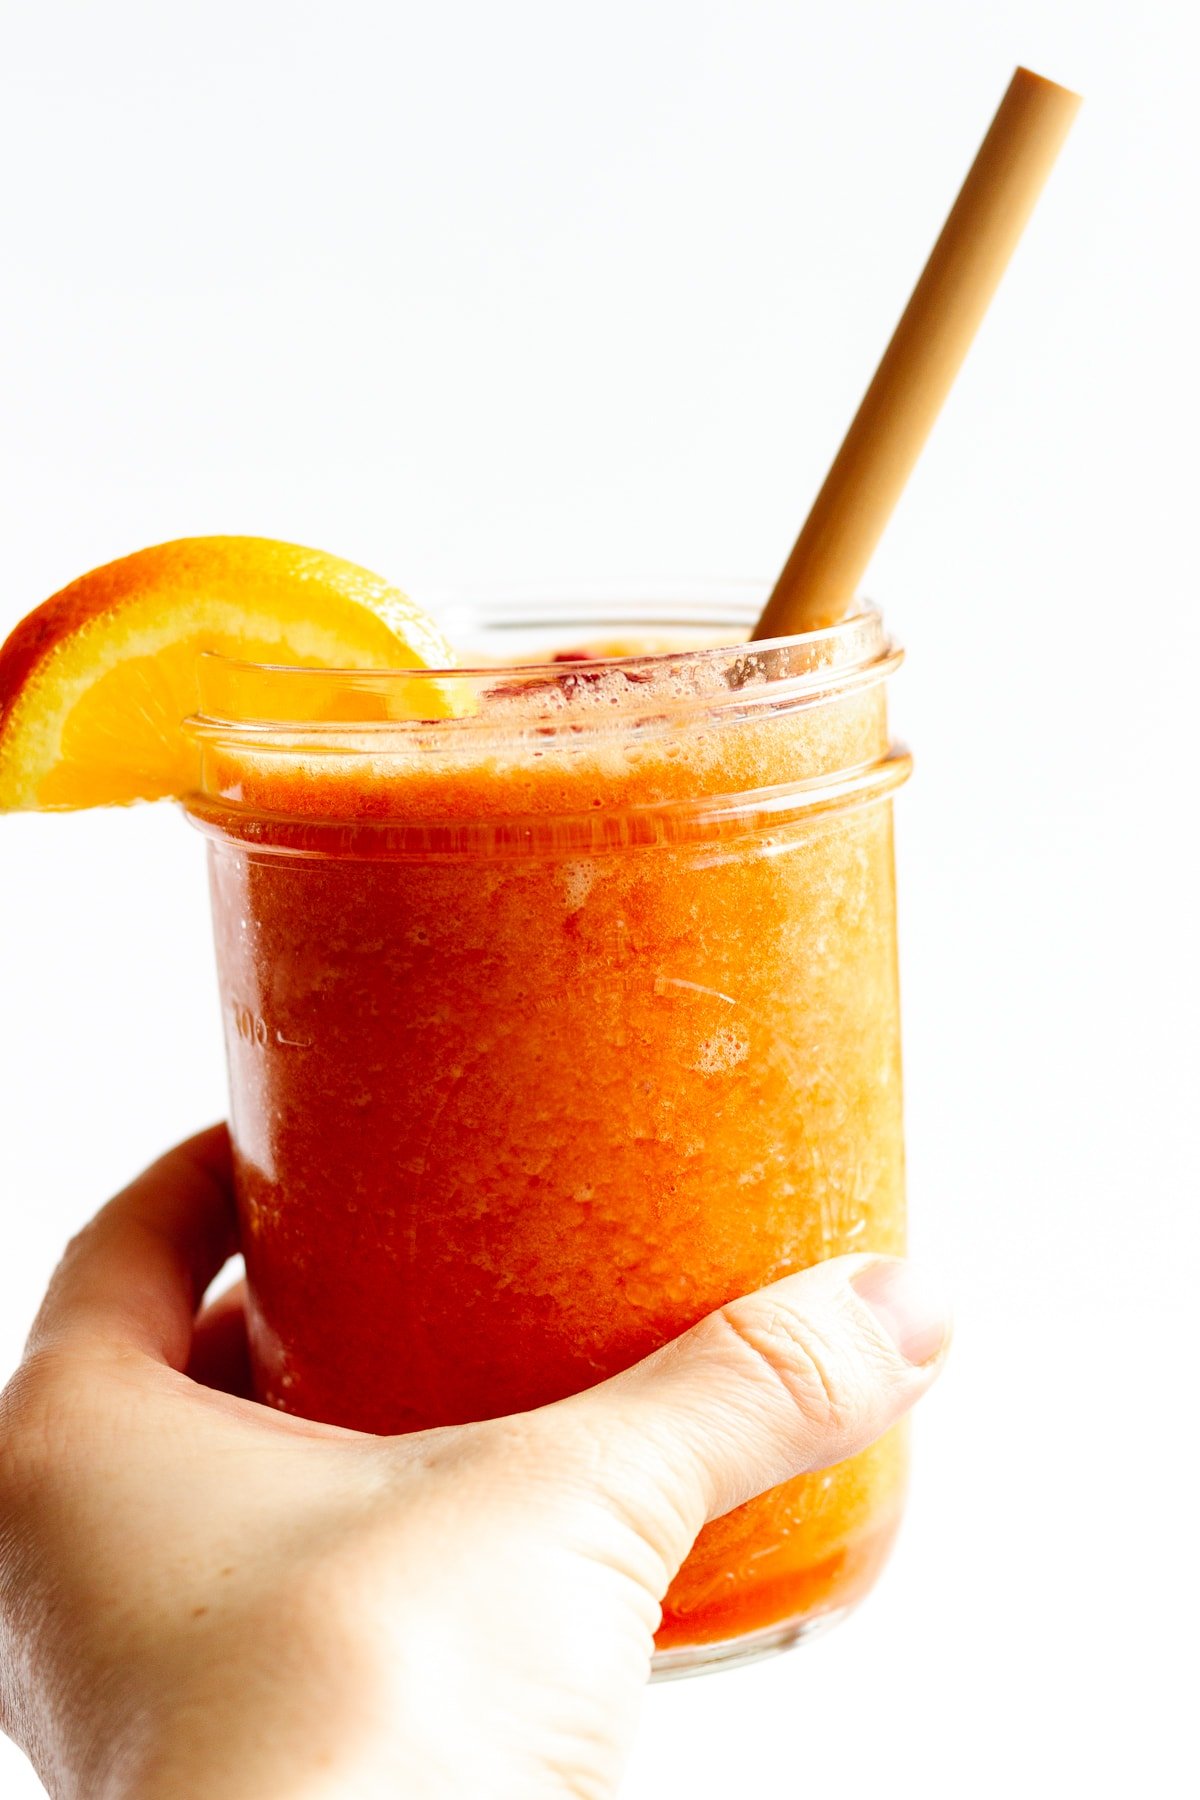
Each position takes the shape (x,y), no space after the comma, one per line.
(513,291)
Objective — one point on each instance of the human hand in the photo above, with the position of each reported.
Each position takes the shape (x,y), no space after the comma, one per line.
(202,1596)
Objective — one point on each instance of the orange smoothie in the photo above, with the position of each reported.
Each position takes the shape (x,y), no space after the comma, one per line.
(555,1025)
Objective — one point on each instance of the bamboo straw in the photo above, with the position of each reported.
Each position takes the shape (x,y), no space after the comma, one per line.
(821,576)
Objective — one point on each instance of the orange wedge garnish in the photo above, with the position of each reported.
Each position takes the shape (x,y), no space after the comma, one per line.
(95,685)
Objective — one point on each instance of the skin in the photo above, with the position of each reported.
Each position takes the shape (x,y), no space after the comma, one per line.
(200,1595)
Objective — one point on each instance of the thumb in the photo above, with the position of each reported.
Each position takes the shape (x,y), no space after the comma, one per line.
(797,1376)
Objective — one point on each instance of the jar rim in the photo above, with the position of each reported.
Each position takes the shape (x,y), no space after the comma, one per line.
(349,762)
(579,691)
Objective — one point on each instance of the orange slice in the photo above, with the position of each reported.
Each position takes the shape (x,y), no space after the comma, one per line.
(96,683)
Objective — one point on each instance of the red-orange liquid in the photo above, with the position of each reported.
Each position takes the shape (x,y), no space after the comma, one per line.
(511,1115)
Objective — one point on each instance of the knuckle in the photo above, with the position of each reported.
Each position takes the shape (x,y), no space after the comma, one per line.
(39,1415)
(791,1353)
(497,1453)
(77,1247)
(582,1478)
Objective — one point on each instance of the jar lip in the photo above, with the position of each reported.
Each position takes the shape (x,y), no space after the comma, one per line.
(262,700)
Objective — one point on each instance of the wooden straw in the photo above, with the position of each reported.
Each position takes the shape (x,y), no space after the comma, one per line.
(821,576)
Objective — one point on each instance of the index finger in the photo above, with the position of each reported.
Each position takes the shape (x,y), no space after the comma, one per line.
(133,1278)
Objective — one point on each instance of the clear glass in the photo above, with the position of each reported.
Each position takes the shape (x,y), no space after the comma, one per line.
(557,1020)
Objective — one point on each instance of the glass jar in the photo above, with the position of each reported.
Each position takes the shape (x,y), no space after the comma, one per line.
(559,1019)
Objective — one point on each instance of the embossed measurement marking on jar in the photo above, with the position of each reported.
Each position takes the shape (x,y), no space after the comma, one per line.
(252,1028)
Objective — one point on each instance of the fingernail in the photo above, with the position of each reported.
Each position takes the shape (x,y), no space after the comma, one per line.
(909,1308)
